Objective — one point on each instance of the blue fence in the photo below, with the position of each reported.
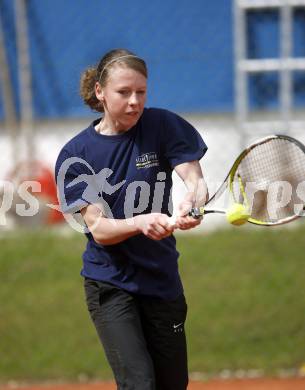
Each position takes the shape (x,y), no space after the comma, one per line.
(187,44)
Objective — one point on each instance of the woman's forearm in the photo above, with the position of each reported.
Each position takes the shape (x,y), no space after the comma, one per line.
(107,231)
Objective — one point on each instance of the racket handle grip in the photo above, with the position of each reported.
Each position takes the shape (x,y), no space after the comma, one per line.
(196,212)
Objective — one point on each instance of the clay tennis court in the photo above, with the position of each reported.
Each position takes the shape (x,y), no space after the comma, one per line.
(233,384)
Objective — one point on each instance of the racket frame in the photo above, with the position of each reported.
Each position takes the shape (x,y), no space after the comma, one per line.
(228,182)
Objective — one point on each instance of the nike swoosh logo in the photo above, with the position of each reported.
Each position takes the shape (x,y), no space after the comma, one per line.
(177,326)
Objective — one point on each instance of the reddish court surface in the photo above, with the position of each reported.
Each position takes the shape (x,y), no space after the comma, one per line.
(238,384)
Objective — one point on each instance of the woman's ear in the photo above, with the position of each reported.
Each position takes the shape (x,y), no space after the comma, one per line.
(99,91)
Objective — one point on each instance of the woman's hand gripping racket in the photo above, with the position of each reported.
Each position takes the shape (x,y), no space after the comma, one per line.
(266,184)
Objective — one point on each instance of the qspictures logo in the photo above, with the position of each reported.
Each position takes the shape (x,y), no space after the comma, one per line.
(93,187)
(147,160)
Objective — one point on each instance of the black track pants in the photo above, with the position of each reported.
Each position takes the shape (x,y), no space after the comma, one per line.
(143,337)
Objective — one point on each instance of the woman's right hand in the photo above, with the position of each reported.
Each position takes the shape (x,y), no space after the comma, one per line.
(155,225)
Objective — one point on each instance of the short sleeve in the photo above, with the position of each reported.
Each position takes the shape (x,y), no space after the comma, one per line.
(181,142)
(75,182)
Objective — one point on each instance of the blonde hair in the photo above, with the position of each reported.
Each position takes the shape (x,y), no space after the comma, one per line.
(100,74)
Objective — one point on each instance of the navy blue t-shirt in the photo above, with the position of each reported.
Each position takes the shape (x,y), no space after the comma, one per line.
(129,174)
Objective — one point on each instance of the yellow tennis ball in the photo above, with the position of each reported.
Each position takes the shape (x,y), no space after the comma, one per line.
(237,214)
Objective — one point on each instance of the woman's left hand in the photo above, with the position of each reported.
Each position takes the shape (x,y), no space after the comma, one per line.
(183,220)
(197,195)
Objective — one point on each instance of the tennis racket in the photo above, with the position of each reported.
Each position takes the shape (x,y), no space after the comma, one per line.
(266,184)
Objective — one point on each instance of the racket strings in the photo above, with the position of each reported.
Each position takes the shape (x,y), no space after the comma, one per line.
(271,174)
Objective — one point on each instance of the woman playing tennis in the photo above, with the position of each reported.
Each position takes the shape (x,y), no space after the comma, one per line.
(133,288)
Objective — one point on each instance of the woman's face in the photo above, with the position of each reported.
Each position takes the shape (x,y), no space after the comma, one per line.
(123,97)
